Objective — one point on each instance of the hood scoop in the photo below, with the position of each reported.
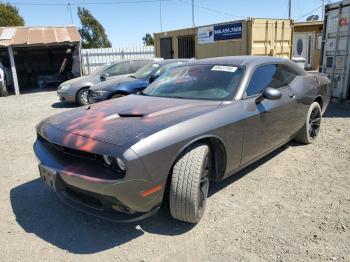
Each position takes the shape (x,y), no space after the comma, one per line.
(121,115)
(130,115)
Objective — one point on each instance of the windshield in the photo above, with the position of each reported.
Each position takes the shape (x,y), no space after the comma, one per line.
(204,82)
(145,71)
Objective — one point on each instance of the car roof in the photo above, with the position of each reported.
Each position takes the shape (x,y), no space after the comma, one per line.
(151,59)
(167,61)
(240,60)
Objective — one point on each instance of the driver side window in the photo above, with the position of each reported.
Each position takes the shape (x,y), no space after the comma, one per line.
(264,76)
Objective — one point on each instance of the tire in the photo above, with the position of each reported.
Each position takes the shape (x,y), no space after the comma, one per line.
(82,97)
(190,183)
(309,132)
(117,96)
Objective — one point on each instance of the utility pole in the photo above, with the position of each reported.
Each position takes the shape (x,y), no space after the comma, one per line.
(160,16)
(290,9)
(69,8)
(193,24)
(323,10)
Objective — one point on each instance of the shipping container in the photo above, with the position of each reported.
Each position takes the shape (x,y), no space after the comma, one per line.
(252,36)
(336,48)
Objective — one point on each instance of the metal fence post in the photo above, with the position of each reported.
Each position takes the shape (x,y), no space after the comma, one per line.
(13,70)
(88,61)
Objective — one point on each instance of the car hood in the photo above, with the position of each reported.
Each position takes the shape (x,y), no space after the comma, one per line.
(111,85)
(82,81)
(129,119)
(78,79)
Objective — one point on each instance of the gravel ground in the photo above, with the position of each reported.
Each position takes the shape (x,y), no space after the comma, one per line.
(293,205)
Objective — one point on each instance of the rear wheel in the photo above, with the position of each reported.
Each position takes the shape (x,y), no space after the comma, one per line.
(82,97)
(190,183)
(311,128)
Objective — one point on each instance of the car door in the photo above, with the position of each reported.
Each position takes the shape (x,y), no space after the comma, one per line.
(271,122)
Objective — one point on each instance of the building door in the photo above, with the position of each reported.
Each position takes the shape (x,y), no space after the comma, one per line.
(166,48)
(186,46)
(303,47)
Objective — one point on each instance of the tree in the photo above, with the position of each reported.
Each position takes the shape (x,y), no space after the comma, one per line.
(9,15)
(148,40)
(92,32)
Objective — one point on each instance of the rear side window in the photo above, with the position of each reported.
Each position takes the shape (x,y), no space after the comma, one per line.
(287,74)
(274,75)
(121,68)
(141,63)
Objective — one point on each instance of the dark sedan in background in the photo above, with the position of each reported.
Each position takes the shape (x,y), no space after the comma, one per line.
(133,83)
(198,122)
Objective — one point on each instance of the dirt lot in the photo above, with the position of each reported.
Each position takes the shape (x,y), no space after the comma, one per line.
(293,205)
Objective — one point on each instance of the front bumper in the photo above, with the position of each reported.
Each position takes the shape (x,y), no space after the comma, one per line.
(66,96)
(98,190)
(95,98)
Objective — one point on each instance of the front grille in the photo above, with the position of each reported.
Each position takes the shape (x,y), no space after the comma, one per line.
(84,198)
(69,151)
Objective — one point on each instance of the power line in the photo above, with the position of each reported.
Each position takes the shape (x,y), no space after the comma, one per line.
(308,13)
(212,10)
(86,3)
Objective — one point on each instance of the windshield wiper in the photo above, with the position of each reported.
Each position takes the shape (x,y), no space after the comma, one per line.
(132,76)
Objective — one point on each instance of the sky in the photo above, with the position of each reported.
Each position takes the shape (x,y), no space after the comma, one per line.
(126,23)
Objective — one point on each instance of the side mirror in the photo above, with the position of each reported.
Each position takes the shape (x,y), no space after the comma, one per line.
(152,78)
(104,76)
(269,93)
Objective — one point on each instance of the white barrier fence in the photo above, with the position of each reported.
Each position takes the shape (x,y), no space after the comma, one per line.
(95,57)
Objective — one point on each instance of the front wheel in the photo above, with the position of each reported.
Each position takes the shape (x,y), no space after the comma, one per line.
(311,128)
(82,97)
(190,183)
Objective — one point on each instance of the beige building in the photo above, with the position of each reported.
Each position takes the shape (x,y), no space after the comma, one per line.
(253,36)
(307,40)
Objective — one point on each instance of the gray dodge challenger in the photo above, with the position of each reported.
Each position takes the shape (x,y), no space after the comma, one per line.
(202,121)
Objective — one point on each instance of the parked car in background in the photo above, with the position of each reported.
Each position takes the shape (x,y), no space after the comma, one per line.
(201,121)
(2,82)
(5,79)
(76,90)
(133,83)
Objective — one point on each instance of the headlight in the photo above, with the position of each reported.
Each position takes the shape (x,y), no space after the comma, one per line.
(65,87)
(108,160)
(99,93)
(121,164)
(115,162)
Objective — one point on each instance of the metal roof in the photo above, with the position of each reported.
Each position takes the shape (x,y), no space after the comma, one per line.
(24,36)
(308,23)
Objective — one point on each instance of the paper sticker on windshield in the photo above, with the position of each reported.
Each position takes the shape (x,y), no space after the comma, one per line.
(155,65)
(230,69)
